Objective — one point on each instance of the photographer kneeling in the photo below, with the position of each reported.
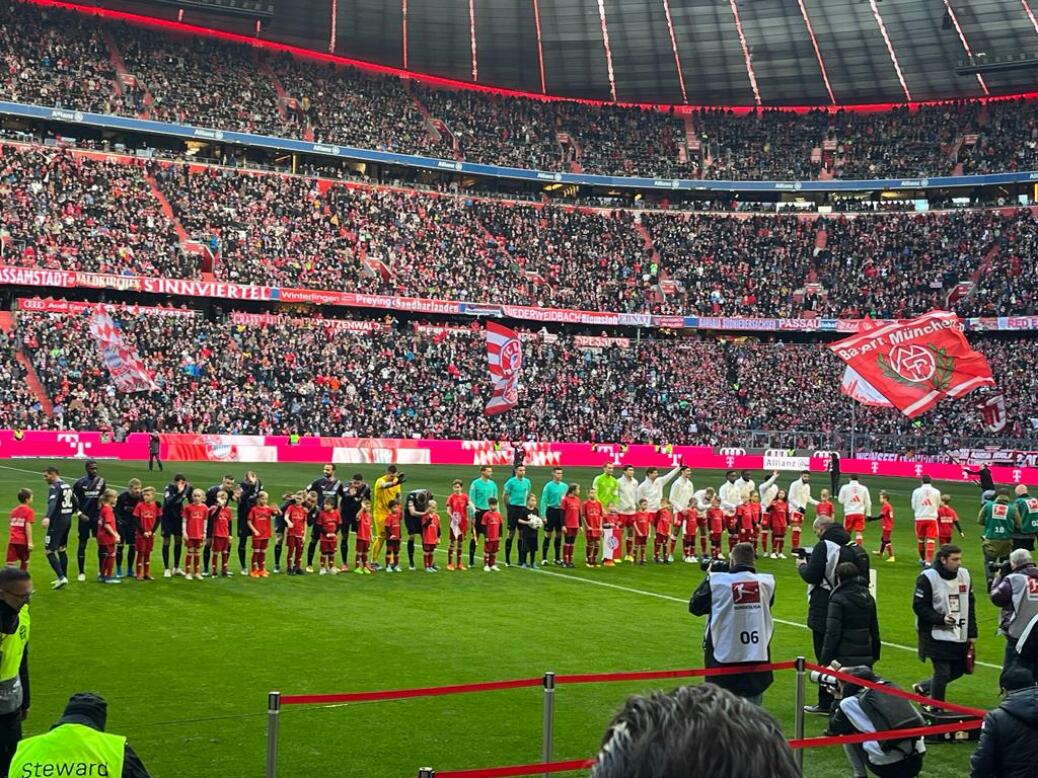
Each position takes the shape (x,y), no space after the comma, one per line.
(738,600)
(858,709)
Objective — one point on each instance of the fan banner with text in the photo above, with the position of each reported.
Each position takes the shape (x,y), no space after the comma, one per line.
(914,364)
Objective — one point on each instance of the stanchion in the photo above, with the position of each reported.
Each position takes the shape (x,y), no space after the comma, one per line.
(273,722)
(798,718)
(426,772)
(549,718)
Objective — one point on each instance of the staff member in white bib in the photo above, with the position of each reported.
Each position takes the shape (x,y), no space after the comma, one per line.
(945,620)
(857,504)
(1017,595)
(738,602)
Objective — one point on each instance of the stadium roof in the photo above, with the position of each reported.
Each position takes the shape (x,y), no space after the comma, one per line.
(723,52)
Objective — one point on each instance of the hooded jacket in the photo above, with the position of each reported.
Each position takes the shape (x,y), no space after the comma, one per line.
(814,572)
(1008,745)
(851,626)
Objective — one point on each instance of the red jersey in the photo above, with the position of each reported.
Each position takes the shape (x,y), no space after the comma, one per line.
(886,517)
(329,521)
(259,517)
(21,518)
(642,519)
(663,521)
(195,516)
(430,529)
(715,520)
(106,531)
(147,514)
(492,525)
(221,518)
(824,508)
(392,525)
(690,520)
(748,515)
(458,505)
(593,515)
(297,515)
(571,512)
(364,526)
(946,516)
(778,515)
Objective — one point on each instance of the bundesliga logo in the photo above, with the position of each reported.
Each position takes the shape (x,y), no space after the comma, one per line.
(746,592)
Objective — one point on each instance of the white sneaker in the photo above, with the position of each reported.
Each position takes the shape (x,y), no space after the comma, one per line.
(167,573)
(61,583)
(309,569)
(781,556)
(670,557)
(179,571)
(324,571)
(333,571)
(243,572)
(189,577)
(486,568)
(496,569)
(277,570)
(81,577)
(691,560)
(544,562)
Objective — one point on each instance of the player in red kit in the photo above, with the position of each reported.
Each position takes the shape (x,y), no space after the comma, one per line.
(778,519)
(394,520)
(364,522)
(570,523)
(715,523)
(107,536)
(430,537)
(19,542)
(458,513)
(146,514)
(195,516)
(689,519)
(748,514)
(327,528)
(886,519)
(592,511)
(642,523)
(825,505)
(492,538)
(259,520)
(296,514)
(661,541)
(220,523)
(947,518)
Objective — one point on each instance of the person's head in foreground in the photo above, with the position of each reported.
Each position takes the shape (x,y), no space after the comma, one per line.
(694,732)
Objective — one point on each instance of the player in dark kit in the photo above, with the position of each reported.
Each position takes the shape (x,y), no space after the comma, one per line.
(173,499)
(126,524)
(355,493)
(226,486)
(61,505)
(416,506)
(328,487)
(248,491)
(88,490)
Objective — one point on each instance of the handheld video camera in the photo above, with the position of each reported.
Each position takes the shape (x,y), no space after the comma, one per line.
(714,566)
(802,553)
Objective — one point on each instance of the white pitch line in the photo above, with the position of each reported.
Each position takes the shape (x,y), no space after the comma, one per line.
(21,470)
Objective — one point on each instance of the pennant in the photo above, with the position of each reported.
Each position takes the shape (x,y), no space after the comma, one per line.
(914,364)
(124,365)
(505,360)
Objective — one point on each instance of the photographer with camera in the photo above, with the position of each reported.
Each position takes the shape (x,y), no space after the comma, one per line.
(737,600)
(859,710)
(817,568)
(946,620)
(1007,747)
(1015,590)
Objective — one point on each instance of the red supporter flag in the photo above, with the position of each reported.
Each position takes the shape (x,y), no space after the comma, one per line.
(505,358)
(914,364)
(126,368)
(992,408)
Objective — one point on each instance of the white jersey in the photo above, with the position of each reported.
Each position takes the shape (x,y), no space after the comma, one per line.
(746,488)
(768,492)
(652,491)
(800,496)
(701,500)
(925,502)
(681,493)
(627,495)
(730,497)
(740,616)
(951,598)
(855,499)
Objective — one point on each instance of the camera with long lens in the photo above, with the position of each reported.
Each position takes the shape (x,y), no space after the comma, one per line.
(714,565)
(830,682)
(999,568)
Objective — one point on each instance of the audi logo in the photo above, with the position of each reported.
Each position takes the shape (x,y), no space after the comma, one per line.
(733,452)
(823,454)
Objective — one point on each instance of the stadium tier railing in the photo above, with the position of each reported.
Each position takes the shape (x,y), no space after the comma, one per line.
(550,681)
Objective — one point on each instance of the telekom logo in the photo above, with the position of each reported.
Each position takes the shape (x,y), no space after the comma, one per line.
(1017,475)
(874,467)
(918,470)
(78,446)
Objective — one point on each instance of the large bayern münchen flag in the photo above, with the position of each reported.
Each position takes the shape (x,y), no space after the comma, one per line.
(505,358)
(125,366)
(914,364)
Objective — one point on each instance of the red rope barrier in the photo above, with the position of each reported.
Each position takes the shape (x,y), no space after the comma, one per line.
(890,734)
(649,675)
(967,711)
(522,769)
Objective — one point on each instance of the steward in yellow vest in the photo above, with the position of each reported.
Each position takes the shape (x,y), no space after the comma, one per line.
(15,592)
(77,746)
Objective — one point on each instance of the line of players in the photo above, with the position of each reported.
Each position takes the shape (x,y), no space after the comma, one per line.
(203,522)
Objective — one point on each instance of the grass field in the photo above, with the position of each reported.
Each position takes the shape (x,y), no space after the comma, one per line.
(186,666)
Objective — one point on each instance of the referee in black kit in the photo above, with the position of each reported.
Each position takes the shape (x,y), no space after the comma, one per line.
(415,507)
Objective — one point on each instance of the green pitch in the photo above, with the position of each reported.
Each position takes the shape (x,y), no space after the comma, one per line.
(186,665)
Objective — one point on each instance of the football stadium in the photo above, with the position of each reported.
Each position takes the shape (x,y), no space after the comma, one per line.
(476,388)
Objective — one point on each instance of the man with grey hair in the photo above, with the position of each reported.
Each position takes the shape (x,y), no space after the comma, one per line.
(1015,591)
(818,570)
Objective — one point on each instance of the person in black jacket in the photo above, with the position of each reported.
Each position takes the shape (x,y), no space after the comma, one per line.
(1008,747)
(834,473)
(851,625)
(818,570)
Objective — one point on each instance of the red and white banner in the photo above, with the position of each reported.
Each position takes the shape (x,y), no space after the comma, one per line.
(600,342)
(992,408)
(612,544)
(125,366)
(268,319)
(917,363)
(50,305)
(505,359)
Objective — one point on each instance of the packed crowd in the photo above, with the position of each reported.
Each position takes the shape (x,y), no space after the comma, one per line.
(19,408)
(402,380)
(54,57)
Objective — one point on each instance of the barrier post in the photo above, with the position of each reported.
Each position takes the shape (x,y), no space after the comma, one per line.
(549,719)
(798,729)
(426,772)
(273,722)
